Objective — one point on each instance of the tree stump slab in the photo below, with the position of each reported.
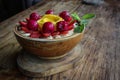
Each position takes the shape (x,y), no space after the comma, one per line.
(34,66)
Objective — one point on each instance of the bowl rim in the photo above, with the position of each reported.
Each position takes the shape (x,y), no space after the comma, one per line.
(44,39)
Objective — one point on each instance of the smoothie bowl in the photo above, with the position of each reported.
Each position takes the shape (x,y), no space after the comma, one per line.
(51,36)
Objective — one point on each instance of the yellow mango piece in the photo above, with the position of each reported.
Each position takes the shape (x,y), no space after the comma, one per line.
(49,18)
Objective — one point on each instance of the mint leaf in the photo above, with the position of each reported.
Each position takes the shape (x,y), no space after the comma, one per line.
(88,16)
(75,16)
(79,29)
(82,27)
(81,23)
(84,21)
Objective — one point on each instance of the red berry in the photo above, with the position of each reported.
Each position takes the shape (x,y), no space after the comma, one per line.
(34,16)
(32,25)
(25,29)
(49,12)
(23,23)
(62,26)
(35,34)
(46,34)
(64,32)
(67,18)
(48,27)
(63,14)
(27,19)
(55,33)
(71,25)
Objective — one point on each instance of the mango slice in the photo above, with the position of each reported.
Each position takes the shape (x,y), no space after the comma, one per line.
(49,18)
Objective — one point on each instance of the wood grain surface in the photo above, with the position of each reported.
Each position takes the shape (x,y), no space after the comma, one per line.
(101,43)
(34,66)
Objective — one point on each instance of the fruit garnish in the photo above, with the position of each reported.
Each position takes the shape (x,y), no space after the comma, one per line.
(25,29)
(49,18)
(35,34)
(32,25)
(64,13)
(79,29)
(66,16)
(62,26)
(71,25)
(27,19)
(23,23)
(52,26)
(64,32)
(88,16)
(49,12)
(46,34)
(48,27)
(55,33)
(81,22)
(34,16)
(75,16)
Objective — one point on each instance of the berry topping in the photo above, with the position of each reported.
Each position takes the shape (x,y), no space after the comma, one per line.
(49,18)
(35,34)
(48,27)
(25,29)
(62,26)
(63,14)
(23,23)
(71,25)
(67,18)
(32,25)
(64,32)
(55,33)
(27,19)
(34,16)
(51,26)
(46,34)
(49,12)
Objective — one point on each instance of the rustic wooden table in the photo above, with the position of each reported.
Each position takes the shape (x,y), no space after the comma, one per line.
(100,58)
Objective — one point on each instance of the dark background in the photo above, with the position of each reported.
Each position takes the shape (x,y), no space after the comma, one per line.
(9,8)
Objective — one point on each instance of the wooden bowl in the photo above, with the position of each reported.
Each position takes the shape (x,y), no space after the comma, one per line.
(48,48)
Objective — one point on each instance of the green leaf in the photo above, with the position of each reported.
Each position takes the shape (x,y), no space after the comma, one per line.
(81,23)
(88,16)
(82,27)
(79,29)
(84,21)
(75,16)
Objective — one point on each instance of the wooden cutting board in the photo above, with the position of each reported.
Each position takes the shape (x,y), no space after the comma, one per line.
(34,66)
